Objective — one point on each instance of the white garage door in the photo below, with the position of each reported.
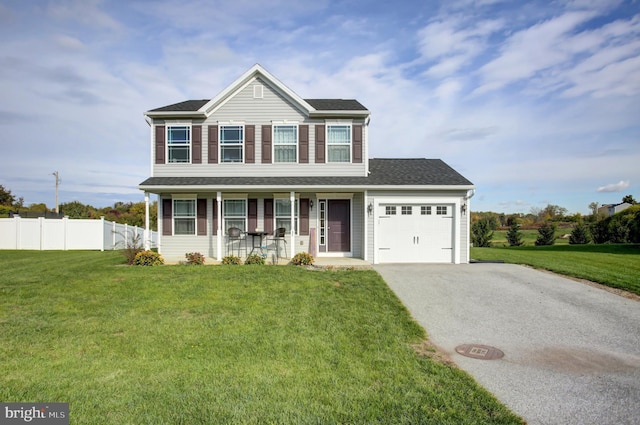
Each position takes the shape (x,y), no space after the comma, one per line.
(414,233)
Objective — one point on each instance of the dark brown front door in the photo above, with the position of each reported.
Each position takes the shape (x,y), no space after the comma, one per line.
(339,230)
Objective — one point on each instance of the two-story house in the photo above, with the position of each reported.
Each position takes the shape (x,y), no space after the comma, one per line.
(259,157)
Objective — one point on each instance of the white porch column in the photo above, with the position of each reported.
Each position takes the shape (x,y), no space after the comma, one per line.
(147,234)
(292,199)
(220,237)
(365,220)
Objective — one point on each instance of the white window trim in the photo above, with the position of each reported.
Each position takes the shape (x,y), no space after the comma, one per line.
(275,124)
(244,140)
(329,123)
(246,212)
(283,197)
(184,197)
(168,125)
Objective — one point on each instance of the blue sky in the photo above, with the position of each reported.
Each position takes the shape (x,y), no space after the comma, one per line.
(535,102)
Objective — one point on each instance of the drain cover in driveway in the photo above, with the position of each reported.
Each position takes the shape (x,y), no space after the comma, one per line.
(477,351)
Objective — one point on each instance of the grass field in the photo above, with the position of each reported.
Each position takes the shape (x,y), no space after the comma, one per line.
(529,237)
(220,344)
(617,266)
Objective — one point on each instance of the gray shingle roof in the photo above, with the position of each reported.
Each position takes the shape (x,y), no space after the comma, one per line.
(336,104)
(186,106)
(383,172)
(319,104)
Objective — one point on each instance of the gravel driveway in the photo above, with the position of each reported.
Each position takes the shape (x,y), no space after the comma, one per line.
(571,351)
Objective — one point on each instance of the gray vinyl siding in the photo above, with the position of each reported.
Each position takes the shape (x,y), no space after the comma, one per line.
(243,108)
(174,248)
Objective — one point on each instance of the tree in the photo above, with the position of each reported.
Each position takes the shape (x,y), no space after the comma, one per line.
(629,200)
(514,235)
(579,234)
(481,233)
(6,198)
(75,209)
(546,234)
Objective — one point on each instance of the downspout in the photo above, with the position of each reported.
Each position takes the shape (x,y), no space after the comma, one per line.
(470,194)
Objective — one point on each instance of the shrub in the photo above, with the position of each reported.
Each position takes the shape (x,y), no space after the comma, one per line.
(546,234)
(481,233)
(514,235)
(148,258)
(133,245)
(254,259)
(579,234)
(302,259)
(231,260)
(600,231)
(194,258)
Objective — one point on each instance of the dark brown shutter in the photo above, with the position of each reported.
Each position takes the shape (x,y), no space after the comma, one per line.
(250,143)
(356,143)
(303,135)
(213,144)
(319,144)
(304,216)
(268,215)
(266,144)
(160,144)
(201,225)
(196,144)
(215,217)
(167,217)
(252,214)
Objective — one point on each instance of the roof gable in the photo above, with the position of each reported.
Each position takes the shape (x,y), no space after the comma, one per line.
(309,107)
(255,72)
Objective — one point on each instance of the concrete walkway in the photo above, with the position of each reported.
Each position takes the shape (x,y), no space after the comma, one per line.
(572,351)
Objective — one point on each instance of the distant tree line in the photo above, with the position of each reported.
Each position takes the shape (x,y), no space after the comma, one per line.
(622,227)
(131,213)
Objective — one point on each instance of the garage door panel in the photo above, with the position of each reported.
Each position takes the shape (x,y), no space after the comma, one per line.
(415,237)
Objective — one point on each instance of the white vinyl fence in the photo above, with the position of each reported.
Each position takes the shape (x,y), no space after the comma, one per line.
(66,234)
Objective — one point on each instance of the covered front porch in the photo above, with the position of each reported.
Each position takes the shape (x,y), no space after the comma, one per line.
(233,222)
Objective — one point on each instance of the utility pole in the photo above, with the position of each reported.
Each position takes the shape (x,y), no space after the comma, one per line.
(58,181)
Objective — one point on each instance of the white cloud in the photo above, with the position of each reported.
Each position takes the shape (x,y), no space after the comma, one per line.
(531,50)
(614,187)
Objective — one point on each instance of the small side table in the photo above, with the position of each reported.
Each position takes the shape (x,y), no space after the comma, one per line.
(259,235)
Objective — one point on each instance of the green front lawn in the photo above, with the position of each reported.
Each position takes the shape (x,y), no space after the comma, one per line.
(220,344)
(617,266)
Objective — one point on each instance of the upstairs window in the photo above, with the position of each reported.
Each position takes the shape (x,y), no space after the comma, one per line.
(231,143)
(179,144)
(285,143)
(339,143)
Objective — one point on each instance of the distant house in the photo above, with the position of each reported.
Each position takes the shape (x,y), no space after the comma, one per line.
(258,157)
(610,209)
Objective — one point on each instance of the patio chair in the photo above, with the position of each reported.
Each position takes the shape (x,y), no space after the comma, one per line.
(234,235)
(279,237)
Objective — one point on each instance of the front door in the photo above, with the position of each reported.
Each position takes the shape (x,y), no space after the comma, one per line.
(339,225)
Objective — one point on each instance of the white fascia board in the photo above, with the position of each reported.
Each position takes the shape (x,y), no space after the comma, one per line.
(241,82)
(310,188)
(170,114)
(347,113)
